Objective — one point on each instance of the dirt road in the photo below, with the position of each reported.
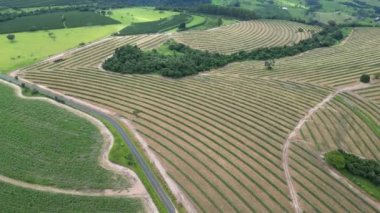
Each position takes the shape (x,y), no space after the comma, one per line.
(285,150)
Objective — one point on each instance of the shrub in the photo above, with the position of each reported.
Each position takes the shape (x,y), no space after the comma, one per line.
(365,78)
(335,159)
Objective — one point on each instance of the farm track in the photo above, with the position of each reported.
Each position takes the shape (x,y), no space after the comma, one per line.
(221,135)
(292,135)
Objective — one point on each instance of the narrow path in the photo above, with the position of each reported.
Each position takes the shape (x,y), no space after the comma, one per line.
(292,135)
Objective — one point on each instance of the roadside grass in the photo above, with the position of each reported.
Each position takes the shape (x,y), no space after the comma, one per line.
(16,199)
(47,145)
(121,154)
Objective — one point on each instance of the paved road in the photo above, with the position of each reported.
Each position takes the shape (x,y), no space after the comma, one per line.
(140,160)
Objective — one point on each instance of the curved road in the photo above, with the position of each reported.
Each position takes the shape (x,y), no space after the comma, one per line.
(140,160)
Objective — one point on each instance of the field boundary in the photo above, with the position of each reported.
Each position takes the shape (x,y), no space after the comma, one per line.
(137,189)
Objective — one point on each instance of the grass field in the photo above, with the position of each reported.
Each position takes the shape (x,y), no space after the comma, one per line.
(54,21)
(220,134)
(128,16)
(15,199)
(161,25)
(31,47)
(39,149)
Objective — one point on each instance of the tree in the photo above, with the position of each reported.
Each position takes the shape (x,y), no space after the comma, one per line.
(365,78)
(219,22)
(332,23)
(182,26)
(269,64)
(377,76)
(11,37)
(336,159)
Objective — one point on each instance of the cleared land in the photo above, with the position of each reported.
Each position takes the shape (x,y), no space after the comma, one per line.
(246,36)
(220,135)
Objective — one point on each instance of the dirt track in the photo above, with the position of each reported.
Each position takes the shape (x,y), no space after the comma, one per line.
(292,135)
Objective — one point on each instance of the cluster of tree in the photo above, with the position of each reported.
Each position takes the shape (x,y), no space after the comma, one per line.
(187,61)
(314,5)
(6,16)
(368,169)
(131,59)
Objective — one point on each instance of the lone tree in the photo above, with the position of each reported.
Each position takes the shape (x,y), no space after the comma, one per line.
(365,78)
(182,26)
(269,64)
(219,22)
(11,37)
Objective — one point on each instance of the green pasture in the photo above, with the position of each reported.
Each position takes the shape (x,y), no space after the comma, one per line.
(31,47)
(47,145)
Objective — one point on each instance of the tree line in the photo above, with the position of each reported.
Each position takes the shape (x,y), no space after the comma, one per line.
(186,61)
(368,169)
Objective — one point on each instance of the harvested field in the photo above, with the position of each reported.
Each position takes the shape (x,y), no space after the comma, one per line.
(333,67)
(220,134)
(246,36)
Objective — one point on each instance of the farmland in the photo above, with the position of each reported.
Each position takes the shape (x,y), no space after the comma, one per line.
(31,47)
(156,26)
(50,160)
(50,151)
(56,20)
(220,134)
(17,199)
(246,36)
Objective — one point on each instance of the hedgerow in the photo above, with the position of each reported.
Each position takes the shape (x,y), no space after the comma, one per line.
(183,60)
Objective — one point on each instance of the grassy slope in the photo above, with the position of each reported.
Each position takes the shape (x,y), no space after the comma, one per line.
(44,144)
(364,184)
(31,47)
(15,199)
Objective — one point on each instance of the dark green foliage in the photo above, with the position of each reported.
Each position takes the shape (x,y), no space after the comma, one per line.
(130,59)
(100,3)
(335,159)
(182,26)
(187,61)
(11,37)
(156,26)
(365,78)
(239,13)
(54,21)
(368,169)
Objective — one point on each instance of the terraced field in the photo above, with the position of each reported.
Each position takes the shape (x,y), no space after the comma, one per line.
(334,67)
(345,124)
(247,36)
(372,93)
(220,135)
